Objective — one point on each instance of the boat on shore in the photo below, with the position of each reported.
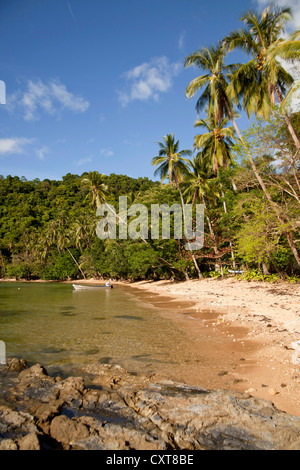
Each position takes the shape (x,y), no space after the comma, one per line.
(81,286)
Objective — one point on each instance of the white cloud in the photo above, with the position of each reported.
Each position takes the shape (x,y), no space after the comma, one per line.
(107,152)
(83,161)
(51,98)
(14,145)
(40,153)
(67,99)
(149,80)
(181,41)
(293,4)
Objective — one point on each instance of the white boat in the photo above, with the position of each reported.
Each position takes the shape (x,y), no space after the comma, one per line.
(81,286)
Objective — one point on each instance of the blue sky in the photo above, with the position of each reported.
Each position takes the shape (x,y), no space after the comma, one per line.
(94,84)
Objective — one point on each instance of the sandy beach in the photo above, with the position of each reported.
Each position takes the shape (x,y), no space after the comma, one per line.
(252,327)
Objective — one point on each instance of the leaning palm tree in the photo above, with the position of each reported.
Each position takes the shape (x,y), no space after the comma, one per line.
(173,165)
(263,78)
(202,186)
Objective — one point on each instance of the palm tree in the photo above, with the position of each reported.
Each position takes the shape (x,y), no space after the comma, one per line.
(83,229)
(202,186)
(214,80)
(199,188)
(216,143)
(216,146)
(198,182)
(173,165)
(94,182)
(217,96)
(263,79)
(57,234)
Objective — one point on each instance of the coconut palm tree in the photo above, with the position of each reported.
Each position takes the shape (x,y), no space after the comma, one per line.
(198,182)
(202,186)
(213,81)
(172,163)
(216,143)
(57,234)
(94,182)
(174,166)
(216,151)
(263,79)
(83,229)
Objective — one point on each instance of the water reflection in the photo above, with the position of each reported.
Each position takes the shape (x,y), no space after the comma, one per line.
(55,325)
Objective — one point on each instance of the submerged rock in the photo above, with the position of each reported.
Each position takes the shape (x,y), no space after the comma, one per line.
(123,411)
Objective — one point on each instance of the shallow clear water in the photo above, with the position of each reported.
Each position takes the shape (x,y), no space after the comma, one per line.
(55,325)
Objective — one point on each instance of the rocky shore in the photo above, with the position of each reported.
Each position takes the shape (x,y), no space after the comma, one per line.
(107,408)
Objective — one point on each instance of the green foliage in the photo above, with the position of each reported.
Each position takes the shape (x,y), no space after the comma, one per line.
(17,271)
(255,275)
(63,268)
(44,223)
(282,257)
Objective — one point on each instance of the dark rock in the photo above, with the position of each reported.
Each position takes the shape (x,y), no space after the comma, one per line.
(66,430)
(71,390)
(16,365)
(18,430)
(30,442)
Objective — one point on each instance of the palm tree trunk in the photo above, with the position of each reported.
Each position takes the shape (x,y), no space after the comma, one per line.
(230,242)
(2,263)
(295,174)
(211,231)
(266,192)
(76,262)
